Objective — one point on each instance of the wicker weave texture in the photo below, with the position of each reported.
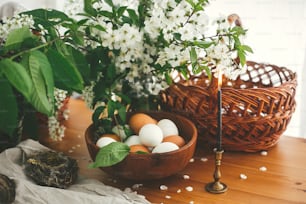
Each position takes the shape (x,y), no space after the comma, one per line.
(256,108)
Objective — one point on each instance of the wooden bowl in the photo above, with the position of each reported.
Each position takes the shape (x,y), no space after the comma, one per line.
(152,166)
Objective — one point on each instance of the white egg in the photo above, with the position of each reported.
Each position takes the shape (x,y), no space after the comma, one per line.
(165,147)
(150,135)
(103,141)
(132,140)
(168,127)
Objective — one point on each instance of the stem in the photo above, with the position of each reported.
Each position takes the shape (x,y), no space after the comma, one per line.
(193,12)
(40,46)
(33,49)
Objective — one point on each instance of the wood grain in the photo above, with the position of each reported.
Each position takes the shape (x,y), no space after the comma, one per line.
(283,182)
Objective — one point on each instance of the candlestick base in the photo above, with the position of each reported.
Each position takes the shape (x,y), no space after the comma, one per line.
(216,187)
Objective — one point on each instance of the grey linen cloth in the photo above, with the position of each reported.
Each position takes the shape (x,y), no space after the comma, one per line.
(85,190)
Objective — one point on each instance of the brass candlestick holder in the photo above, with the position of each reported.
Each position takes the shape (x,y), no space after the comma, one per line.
(216,186)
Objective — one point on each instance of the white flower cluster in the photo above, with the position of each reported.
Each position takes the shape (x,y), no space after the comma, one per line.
(219,57)
(136,54)
(15,22)
(161,41)
(59,96)
(56,129)
(170,17)
(88,95)
(222,24)
(102,5)
(19,21)
(73,7)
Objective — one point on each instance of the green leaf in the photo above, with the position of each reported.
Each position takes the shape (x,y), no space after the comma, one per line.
(46,71)
(111,154)
(17,76)
(42,78)
(47,18)
(61,47)
(99,27)
(17,37)
(106,14)
(53,15)
(8,108)
(191,3)
(207,70)
(120,11)
(111,107)
(203,44)
(111,72)
(168,78)
(122,113)
(247,48)
(242,58)
(238,30)
(89,8)
(237,43)
(184,73)
(66,75)
(133,16)
(97,113)
(124,98)
(109,2)
(177,36)
(193,56)
(79,61)
(82,21)
(198,8)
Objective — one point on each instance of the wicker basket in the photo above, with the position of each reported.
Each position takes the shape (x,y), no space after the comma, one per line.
(256,107)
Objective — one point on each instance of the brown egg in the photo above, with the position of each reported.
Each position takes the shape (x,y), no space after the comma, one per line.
(140,119)
(113,136)
(139,148)
(176,139)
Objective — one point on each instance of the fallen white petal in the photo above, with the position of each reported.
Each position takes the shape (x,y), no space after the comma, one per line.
(264,153)
(243,176)
(204,159)
(189,188)
(263,168)
(163,187)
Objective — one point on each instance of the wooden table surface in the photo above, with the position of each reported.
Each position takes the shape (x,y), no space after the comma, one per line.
(284,181)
